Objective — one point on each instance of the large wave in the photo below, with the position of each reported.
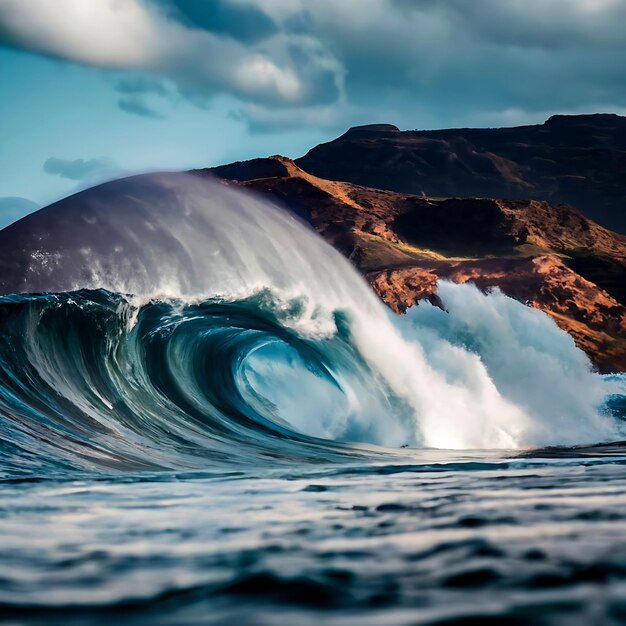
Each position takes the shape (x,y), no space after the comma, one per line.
(173,322)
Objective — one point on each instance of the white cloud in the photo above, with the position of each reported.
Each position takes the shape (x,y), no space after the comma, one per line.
(108,33)
(133,35)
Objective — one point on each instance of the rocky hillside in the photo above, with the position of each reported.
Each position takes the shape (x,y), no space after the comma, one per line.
(550,257)
(579,160)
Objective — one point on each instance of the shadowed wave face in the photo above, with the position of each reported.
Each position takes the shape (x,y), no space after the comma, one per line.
(169,322)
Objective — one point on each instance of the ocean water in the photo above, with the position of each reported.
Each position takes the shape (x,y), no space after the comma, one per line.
(425,538)
(209,418)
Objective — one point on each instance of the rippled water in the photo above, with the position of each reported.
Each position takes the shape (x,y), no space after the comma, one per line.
(432,538)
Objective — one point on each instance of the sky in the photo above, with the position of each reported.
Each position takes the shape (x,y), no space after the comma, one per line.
(95,89)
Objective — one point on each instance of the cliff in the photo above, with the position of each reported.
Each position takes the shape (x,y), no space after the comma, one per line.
(549,256)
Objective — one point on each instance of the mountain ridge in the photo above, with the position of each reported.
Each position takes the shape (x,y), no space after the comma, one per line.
(578,160)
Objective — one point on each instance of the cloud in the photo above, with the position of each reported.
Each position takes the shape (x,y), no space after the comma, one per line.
(144,36)
(13,208)
(137,106)
(248,24)
(139,92)
(82,169)
(141,85)
(328,63)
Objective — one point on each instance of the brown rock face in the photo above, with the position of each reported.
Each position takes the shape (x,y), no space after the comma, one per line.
(580,160)
(550,257)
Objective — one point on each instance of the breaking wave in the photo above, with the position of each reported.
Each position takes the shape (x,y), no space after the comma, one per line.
(184,324)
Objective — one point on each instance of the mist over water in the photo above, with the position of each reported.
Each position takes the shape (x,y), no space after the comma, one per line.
(496,346)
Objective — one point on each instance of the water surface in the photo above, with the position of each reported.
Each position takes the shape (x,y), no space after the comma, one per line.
(432,538)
